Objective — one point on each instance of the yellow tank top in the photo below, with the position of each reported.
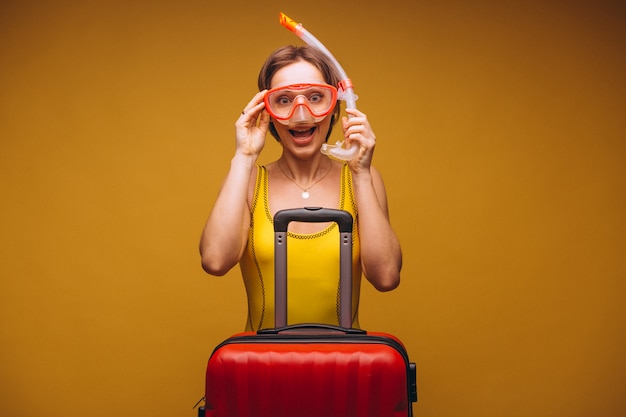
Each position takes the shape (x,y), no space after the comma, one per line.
(313,265)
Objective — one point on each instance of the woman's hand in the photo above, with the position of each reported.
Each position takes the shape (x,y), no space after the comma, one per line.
(381,256)
(251,127)
(357,130)
(225,233)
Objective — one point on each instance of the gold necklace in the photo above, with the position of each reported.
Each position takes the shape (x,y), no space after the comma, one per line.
(305,191)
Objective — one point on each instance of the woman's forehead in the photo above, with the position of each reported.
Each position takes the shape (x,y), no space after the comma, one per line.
(297,73)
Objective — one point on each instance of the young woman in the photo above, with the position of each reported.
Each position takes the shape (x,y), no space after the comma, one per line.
(297,104)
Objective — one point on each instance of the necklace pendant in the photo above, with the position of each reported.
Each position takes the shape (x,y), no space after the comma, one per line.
(305,194)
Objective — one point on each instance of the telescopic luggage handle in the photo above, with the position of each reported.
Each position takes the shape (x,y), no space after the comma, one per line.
(282,218)
(344,221)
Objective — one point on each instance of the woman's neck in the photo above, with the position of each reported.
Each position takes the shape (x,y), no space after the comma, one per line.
(305,172)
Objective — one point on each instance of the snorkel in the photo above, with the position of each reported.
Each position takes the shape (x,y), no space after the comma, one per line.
(346,89)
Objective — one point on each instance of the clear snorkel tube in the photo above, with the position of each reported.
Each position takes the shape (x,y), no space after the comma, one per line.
(346,89)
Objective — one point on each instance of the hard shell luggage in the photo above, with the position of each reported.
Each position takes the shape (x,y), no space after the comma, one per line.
(308,369)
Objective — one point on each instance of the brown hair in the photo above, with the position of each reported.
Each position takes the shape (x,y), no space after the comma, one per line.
(287,55)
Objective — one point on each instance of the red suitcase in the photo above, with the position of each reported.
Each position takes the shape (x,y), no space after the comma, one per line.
(310,370)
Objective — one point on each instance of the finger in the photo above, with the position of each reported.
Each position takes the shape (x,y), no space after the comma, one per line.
(352,130)
(253,111)
(355,112)
(255,105)
(264,120)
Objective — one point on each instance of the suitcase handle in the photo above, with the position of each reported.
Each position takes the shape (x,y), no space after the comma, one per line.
(309,327)
(344,220)
(282,218)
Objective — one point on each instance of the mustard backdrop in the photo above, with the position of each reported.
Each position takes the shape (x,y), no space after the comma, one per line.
(501,138)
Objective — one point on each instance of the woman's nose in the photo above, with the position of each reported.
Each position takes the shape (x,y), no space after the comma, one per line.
(301,114)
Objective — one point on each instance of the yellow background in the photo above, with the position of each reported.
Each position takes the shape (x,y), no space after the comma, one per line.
(501,137)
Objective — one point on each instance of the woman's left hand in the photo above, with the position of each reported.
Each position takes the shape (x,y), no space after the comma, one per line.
(381,256)
(357,130)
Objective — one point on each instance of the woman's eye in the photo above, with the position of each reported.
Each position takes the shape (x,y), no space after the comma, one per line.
(315,97)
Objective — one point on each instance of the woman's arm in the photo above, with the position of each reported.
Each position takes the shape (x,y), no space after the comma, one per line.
(225,233)
(381,256)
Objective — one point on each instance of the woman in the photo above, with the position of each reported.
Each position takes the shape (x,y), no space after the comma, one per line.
(298,105)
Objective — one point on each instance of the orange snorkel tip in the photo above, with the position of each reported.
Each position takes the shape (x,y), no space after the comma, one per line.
(287,22)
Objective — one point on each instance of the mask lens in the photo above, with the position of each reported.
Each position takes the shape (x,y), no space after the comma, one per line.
(319,99)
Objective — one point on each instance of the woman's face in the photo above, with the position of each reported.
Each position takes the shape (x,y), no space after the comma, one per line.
(301,135)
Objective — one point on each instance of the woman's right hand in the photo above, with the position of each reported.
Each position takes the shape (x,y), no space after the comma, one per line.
(251,127)
(225,233)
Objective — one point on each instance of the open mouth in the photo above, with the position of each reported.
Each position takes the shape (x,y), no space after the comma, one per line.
(302,133)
